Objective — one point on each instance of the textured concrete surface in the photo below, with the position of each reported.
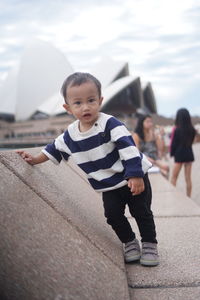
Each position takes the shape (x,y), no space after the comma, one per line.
(63,188)
(179,256)
(177,221)
(168,201)
(172,204)
(55,243)
(186,293)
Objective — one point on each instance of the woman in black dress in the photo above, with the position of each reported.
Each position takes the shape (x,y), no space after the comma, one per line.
(181,148)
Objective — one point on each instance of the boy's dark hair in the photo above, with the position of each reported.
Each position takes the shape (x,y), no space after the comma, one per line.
(140,127)
(77,79)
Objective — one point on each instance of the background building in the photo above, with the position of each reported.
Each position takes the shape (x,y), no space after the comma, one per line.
(31,89)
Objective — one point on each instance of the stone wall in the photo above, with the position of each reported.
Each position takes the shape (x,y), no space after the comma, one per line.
(55,243)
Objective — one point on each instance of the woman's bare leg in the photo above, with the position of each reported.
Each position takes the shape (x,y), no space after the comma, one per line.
(188,180)
(175,172)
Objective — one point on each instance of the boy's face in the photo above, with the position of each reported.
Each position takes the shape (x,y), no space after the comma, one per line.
(83,102)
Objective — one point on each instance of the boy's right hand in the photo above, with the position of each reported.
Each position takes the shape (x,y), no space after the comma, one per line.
(32,160)
(136,185)
(26,156)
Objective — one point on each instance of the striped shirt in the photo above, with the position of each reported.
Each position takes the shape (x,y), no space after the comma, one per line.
(106,153)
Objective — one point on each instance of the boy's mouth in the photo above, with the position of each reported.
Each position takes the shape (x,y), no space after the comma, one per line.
(87,115)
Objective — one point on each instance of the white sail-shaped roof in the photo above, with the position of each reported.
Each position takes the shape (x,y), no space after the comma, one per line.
(107,70)
(116,87)
(41,72)
(8,93)
(53,105)
(123,96)
(149,98)
(33,86)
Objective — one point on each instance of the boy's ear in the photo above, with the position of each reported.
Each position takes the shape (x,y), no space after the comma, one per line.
(101,100)
(67,108)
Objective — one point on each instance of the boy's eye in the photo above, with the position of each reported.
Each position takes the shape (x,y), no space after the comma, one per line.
(91,100)
(77,103)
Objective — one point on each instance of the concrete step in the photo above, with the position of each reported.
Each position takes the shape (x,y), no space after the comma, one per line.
(177,223)
(55,243)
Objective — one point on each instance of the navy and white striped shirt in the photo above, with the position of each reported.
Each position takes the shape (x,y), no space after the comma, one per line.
(106,153)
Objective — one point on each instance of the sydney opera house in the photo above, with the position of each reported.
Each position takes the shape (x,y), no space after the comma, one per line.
(31,89)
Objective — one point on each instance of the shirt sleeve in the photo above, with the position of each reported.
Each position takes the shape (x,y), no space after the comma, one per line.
(57,150)
(130,156)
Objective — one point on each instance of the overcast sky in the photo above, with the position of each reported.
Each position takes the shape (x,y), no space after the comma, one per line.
(159,39)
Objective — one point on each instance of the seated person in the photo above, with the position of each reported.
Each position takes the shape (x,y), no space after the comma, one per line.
(150,143)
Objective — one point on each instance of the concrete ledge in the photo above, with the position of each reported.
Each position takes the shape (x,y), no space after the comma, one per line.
(167,201)
(189,293)
(177,221)
(179,256)
(55,243)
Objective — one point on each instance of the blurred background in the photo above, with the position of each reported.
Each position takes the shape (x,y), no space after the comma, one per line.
(145,53)
(159,40)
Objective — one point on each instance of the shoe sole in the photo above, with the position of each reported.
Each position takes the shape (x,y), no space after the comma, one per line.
(148,263)
(132,259)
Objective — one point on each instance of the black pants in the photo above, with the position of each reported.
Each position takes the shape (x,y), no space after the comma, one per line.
(140,208)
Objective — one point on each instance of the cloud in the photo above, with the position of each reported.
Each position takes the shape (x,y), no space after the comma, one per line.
(159,39)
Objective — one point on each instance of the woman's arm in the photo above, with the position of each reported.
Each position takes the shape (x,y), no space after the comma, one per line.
(136,139)
(160,142)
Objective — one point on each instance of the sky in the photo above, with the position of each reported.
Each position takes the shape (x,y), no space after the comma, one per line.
(159,39)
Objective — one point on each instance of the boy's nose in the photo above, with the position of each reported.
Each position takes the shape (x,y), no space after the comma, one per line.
(85,106)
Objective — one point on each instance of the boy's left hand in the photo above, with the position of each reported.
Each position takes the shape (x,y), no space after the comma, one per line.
(136,185)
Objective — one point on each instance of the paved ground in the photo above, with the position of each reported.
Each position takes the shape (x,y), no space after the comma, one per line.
(177,219)
(36,254)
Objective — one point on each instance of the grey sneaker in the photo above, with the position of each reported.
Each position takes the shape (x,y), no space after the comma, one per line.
(149,255)
(132,251)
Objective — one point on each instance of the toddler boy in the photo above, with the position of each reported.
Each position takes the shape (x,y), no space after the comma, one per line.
(104,149)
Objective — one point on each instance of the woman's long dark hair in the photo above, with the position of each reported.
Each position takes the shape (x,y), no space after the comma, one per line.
(184,124)
(139,127)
